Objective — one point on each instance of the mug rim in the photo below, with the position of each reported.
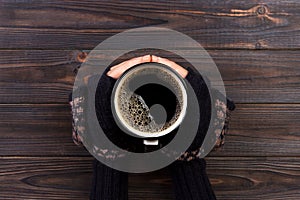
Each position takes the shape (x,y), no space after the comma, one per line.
(115,107)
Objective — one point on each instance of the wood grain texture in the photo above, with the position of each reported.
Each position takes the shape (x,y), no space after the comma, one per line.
(39,76)
(258,24)
(255,45)
(255,130)
(45,178)
(263,129)
(37,130)
(36,76)
(69,178)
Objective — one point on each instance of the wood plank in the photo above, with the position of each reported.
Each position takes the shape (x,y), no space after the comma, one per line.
(263,129)
(260,76)
(255,130)
(45,178)
(38,76)
(255,178)
(70,178)
(37,130)
(261,24)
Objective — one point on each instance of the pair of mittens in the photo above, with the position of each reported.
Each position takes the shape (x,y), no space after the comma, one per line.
(188,171)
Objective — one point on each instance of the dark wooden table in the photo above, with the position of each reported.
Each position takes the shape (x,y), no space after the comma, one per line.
(255,44)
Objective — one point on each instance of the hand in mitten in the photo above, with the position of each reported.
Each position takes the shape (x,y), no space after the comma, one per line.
(190,180)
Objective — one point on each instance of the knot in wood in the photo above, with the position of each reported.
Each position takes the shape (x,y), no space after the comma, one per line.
(262,10)
(81,56)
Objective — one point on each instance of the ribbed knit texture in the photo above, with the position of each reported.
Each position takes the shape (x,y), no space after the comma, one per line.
(190,181)
(108,183)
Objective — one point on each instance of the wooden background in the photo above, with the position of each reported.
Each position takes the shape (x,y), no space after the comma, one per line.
(255,44)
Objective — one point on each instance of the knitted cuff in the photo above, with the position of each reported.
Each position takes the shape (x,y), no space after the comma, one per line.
(108,183)
(190,181)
